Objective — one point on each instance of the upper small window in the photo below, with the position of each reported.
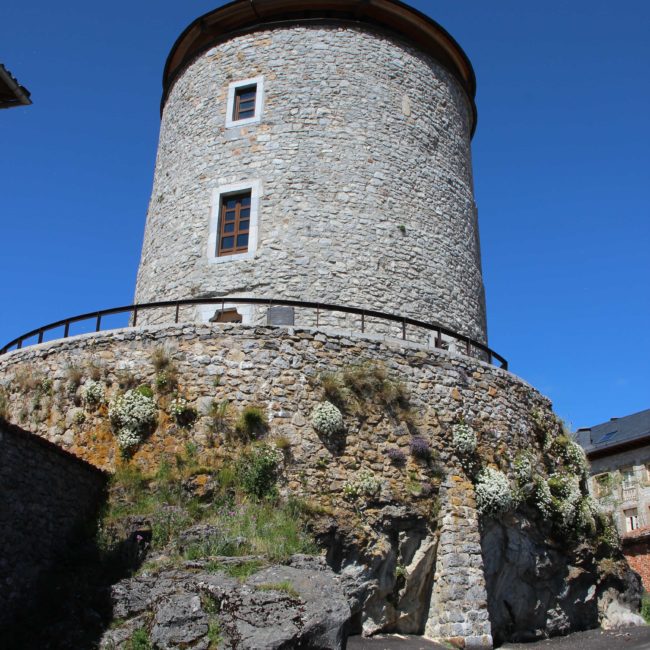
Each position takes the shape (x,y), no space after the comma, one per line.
(245,102)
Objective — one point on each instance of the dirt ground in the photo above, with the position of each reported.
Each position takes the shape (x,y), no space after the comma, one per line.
(630,638)
(634,638)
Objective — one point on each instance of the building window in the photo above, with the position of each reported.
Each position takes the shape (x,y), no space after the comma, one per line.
(245,102)
(631,519)
(234,224)
(628,477)
(227,316)
(603,484)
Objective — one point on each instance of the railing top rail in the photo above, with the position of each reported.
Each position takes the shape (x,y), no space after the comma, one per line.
(189,302)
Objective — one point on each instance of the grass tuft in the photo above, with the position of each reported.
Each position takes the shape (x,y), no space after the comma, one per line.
(251,423)
(284,586)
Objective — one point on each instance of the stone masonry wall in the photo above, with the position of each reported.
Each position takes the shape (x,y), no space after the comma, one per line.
(621,498)
(45,493)
(458,609)
(363,161)
(282,371)
(277,369)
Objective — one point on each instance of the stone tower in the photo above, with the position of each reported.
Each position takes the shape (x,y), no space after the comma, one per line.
(317,151)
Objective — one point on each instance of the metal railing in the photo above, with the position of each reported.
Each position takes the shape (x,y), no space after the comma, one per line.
(463,343)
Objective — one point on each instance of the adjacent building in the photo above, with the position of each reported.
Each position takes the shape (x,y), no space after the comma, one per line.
(619,453)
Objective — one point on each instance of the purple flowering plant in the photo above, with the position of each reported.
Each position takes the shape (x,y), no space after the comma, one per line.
(396,456)
(420,448)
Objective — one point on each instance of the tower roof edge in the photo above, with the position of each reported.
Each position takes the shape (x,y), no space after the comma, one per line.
(394,16)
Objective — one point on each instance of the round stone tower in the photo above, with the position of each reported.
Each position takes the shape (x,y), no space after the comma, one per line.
(317,151)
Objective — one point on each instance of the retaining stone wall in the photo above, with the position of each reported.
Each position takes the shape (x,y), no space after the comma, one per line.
(45,494)
(363,161)
(278,369)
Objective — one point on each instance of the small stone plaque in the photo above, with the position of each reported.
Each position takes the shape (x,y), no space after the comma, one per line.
(280,316)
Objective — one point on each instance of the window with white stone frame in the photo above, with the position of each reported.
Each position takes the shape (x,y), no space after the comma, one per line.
(631,519)
(245,102)
(234,222)
(629,479)
(603,485)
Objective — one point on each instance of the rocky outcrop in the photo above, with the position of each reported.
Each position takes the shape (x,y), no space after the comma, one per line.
(539,587)
(387,577)
(301,605)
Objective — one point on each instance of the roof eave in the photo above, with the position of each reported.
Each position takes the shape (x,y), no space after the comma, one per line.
(242,16)
(20,93)
(617,448)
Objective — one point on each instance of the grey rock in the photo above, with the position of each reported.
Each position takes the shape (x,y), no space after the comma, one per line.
(324,611)
(537,589)
(260,614)
(178,622)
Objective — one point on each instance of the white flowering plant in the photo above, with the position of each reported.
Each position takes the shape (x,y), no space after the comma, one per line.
(566,495)
(542,497)
(366,485)
(575,457)
(586,514)
(494,495)
(93,393)
(181,411)
(132,416)
(525,464)
(463,439)
(327,419)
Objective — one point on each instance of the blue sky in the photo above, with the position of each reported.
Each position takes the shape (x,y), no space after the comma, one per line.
(561,164)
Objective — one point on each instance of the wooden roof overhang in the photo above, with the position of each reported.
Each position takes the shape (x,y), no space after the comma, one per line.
(11,92)
(242,16)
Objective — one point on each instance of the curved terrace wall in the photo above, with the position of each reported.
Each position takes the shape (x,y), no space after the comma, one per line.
(277,368)
(362,164)
(411,544)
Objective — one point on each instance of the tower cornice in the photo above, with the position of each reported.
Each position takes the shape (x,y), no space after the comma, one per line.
(242,16)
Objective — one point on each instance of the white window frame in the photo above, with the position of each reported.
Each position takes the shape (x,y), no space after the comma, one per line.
(631,519)
(255,188)
(259,102)
(604,488)
(628,476)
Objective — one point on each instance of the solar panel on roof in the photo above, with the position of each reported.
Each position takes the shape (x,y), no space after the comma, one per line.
(607,436)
